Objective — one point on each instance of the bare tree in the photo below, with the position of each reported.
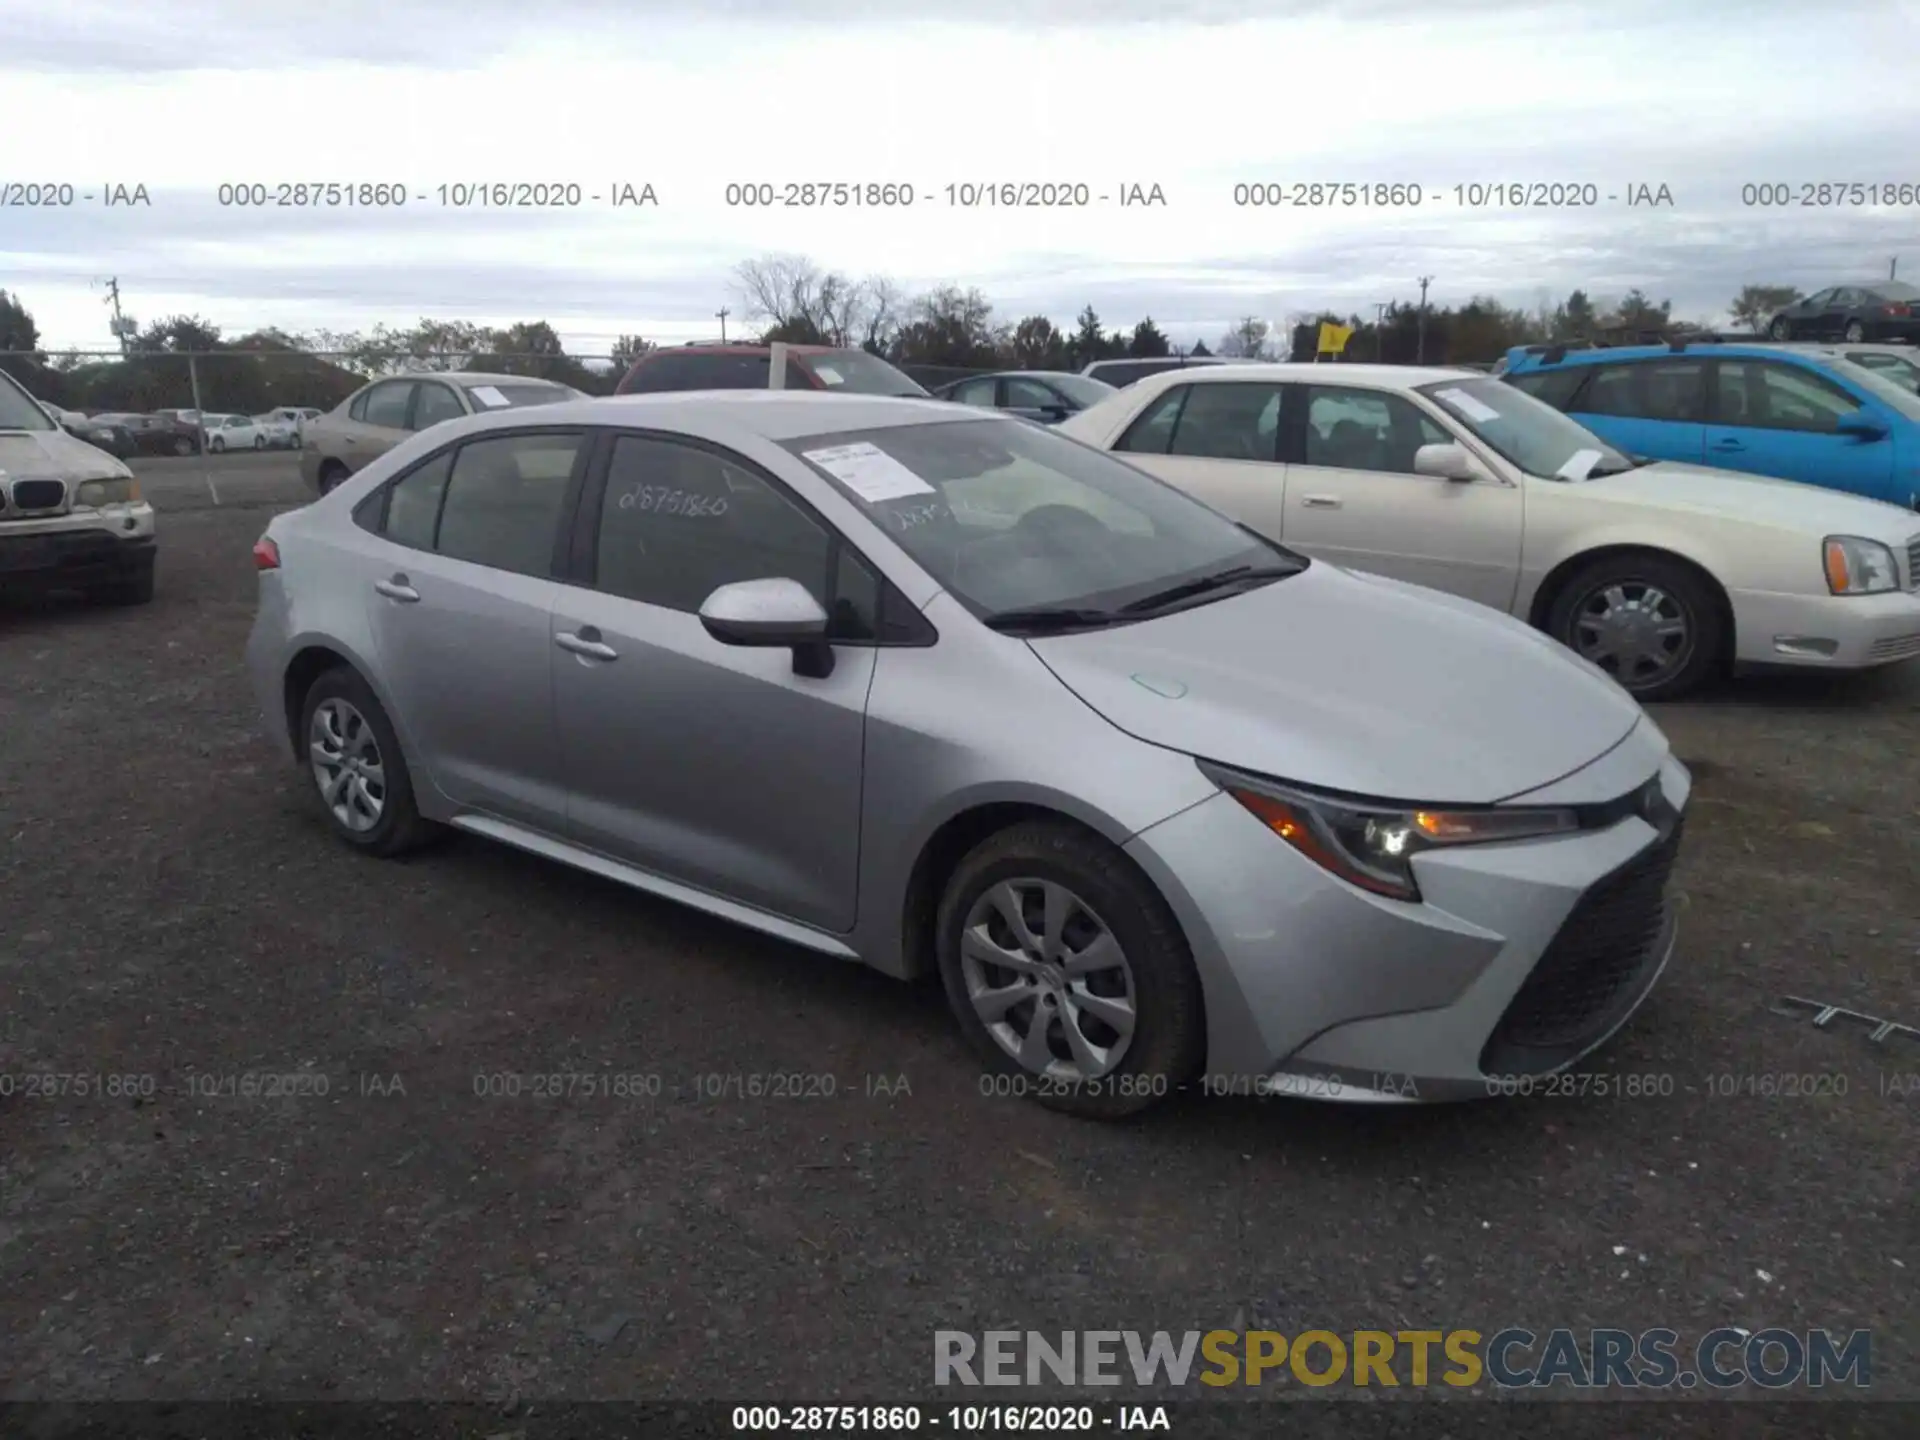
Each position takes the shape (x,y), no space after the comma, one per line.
(1247,340)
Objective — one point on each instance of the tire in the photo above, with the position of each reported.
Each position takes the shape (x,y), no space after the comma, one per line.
(259,442)
(1168,1041)
(182,445)
(218,447)
(1780,329)
(331,474)
(134,590)
(1707,636)
(1855,333)
(346,697)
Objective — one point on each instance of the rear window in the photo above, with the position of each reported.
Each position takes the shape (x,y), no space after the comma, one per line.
(516,396)
(698,372)
(857,373)
(1556,387)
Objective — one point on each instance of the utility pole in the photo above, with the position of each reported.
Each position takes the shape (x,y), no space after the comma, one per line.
(119,321)
(1893,267)
(1420,351)
(721,314)
(1380,331)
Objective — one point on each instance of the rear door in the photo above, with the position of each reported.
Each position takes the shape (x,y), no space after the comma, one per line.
(1353,497)
(1220,443)
(1655,408)
(459,602)
(376,422)
(1769,417)
(1033,399)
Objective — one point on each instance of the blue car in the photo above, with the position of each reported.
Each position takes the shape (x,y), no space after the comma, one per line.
(1766,409)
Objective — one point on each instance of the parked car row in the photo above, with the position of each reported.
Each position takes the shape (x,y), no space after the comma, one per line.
(183,432)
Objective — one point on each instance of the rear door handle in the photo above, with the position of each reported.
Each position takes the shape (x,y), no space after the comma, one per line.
(1728,445)
(398,588)
(586,641)
(1320,502)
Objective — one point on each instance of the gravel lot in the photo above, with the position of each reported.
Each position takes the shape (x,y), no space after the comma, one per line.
(173,908)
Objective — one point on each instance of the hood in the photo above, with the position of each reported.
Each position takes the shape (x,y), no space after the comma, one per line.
(55,455)
(1759,499)
(1354,683)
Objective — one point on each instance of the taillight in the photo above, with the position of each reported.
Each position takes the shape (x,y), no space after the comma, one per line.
(266,554)
(1901,310)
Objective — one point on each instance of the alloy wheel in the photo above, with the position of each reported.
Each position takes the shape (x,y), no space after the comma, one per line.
(1856,333)
(1048,980)
(347,765)
(1635,631)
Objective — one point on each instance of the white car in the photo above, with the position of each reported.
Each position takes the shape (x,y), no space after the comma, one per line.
(233,432)
(283,425)
(1661,574)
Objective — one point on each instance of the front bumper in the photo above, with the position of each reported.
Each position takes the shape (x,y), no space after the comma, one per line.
(1520,959)
(62,551)
(1829,632)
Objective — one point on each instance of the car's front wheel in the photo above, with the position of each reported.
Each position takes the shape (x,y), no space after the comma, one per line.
(1068,973)
(259,442)
(182,445)
(1650,622)
(353,756)
(218,447)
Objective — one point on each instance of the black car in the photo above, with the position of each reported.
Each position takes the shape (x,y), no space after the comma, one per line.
(99,431)
(1048,396)
(146,435)
(1886,310)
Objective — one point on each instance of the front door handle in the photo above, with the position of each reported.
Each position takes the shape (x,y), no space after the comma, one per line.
(398,588)
(1320,502)
(586,641)
(1728,445)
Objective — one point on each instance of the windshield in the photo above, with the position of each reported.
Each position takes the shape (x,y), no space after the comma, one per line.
(1526,431)
(18,409)
(495,397)
(1082,390)
(858,373)
(1011,517)
(1896,370)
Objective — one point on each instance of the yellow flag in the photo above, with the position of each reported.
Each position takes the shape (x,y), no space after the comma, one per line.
(1333,338)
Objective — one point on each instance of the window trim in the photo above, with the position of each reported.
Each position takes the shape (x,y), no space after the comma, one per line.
(377,504)
(577,559)
(1713,393)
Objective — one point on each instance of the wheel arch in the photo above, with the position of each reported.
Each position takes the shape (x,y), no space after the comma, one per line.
(1555,582)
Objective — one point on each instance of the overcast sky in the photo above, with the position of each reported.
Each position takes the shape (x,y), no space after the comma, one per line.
(1193,97)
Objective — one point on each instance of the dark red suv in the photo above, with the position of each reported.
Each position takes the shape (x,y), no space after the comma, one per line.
(749,367)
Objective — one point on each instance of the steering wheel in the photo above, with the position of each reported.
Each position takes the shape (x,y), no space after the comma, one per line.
(1057,525)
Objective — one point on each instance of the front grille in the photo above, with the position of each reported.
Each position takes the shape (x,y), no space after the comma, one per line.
(1597,964)
(1913,563)
(39,494)
(1894,647)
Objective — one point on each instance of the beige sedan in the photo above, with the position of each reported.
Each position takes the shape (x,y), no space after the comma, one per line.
(377,417)
(1661,574)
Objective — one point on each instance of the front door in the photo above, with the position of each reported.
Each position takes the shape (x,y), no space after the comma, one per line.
(1353,498)
(459,601)
(1772,418)
(714,765)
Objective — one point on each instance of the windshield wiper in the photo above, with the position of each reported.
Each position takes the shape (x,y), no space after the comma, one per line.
(1050,617)
(1220,580)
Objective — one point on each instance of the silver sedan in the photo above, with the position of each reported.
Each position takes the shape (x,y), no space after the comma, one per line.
(1161,803)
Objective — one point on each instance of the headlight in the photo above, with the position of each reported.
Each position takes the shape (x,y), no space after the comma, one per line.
(1373,845)
(107,492)
(1856,566)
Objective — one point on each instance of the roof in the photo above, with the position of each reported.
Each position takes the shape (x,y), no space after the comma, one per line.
(743,349)
(771,414)
(1535,358)
(467,379)
(1379,377)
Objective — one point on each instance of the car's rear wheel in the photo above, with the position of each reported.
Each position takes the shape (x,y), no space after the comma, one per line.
(353,756)
(331,474)
(182,445)
(1650,622)
(1781,329)
(1856,332)
(1068,973)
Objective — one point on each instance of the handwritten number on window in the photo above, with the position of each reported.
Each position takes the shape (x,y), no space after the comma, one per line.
(661,500)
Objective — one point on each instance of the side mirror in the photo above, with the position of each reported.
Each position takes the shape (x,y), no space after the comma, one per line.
(1446,462)
(1054,414)
(1859,427)
(770,614)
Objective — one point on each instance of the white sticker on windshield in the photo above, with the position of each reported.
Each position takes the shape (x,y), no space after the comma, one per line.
(829,376)
(1578,464)
(487,395)
(1468,406)
(869,472)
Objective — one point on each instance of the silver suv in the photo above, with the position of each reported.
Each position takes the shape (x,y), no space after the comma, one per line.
(71,516)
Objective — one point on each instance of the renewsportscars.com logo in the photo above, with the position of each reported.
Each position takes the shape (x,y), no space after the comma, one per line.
(1510,1359)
